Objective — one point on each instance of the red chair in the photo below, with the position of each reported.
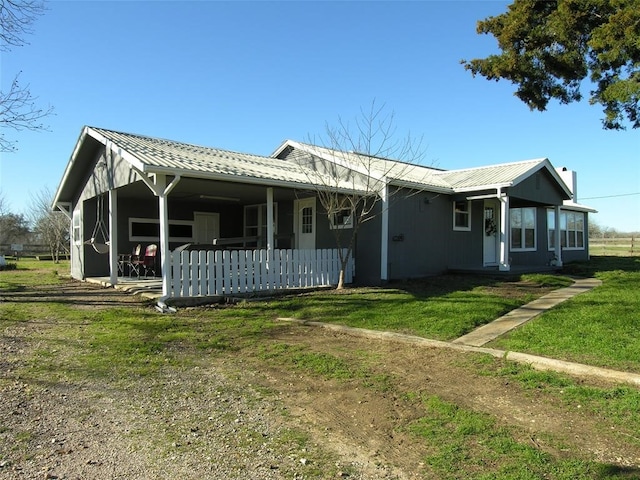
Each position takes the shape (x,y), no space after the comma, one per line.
(148,262)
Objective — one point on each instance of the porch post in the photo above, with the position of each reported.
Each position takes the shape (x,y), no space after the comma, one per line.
(384,239)
(113,236)
(161,182)
(504,232)
(558,242)
(270,220)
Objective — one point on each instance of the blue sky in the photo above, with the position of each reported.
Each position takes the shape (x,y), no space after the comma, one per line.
(245,76)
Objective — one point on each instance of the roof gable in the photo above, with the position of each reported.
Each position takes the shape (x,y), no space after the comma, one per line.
(418,176)
(384,170)
(154,155)
(500,176)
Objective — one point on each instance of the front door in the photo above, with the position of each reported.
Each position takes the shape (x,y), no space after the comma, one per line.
(490,232)
(206,227)
(306,224)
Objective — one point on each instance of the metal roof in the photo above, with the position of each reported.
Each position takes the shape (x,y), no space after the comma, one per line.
(501,175)
(394,171)
(149,155)
(156,154)
(419,176)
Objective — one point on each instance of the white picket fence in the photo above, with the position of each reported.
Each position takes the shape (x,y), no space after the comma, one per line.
(223,272)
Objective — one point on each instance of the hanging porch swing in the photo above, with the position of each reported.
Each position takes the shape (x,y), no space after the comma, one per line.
(99,238)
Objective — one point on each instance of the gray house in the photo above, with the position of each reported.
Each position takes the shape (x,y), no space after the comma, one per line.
(226,222)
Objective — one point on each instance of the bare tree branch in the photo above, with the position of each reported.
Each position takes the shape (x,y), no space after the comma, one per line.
(365,158)
(16,21)
(18,109)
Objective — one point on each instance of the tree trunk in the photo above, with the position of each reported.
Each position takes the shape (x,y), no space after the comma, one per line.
(340,285)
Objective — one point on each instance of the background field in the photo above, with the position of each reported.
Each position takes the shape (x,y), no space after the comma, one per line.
(615,246)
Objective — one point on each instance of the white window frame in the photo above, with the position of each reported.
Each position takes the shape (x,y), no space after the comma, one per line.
(347,219)
(467,213)
(565,232)
(77,227)
(261,226)
(144,238)
(523,230)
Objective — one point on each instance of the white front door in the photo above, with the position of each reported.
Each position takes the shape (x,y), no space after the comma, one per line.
(206,227)
(491,232)
(306,223)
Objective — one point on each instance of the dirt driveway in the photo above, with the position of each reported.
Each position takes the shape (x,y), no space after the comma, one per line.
(239,415)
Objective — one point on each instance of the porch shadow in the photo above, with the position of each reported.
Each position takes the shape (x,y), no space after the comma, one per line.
(150,288)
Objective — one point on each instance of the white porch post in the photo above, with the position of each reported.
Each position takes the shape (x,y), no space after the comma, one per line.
(558,242)
(161,182)
(384,240)
(113,236)
(270,243)
(504,232)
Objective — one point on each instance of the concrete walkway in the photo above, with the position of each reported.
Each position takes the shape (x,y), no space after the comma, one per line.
(517,317)
(473,341)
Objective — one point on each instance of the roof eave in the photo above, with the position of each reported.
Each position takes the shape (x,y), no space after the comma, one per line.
(269,182)
(578,207)
(69,167)
(478,188)
(420,186)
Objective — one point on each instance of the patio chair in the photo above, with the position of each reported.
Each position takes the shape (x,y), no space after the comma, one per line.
(148,261)
(133,262)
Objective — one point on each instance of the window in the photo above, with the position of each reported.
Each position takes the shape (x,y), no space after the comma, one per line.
(551,229)
(342,219)
(462,215)
(148,230)
(523,228)
(571,230)
(307,220)
(77,227)
(255,224)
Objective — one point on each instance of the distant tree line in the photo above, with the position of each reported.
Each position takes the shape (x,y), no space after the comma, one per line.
(41,225)
(599,231)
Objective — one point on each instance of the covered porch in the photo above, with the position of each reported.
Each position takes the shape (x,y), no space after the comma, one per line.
(214,238)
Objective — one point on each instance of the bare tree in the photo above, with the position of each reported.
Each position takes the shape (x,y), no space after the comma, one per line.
(13,227)
(4,206)
(354,187)
(51,227)
(18,109)
(17,18)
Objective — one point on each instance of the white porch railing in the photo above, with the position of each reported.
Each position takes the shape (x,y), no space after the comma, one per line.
(223,272)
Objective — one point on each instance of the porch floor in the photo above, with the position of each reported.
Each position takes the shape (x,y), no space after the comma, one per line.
(150,288)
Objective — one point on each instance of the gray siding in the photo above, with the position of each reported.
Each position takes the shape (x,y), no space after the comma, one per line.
(539,188)
(466,247)
(367,250)
(419,234)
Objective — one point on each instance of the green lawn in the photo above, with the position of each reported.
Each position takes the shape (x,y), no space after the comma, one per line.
(600,327)
(117,345)
(443,308)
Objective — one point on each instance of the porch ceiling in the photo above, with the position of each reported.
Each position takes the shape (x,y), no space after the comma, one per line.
(205,191)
